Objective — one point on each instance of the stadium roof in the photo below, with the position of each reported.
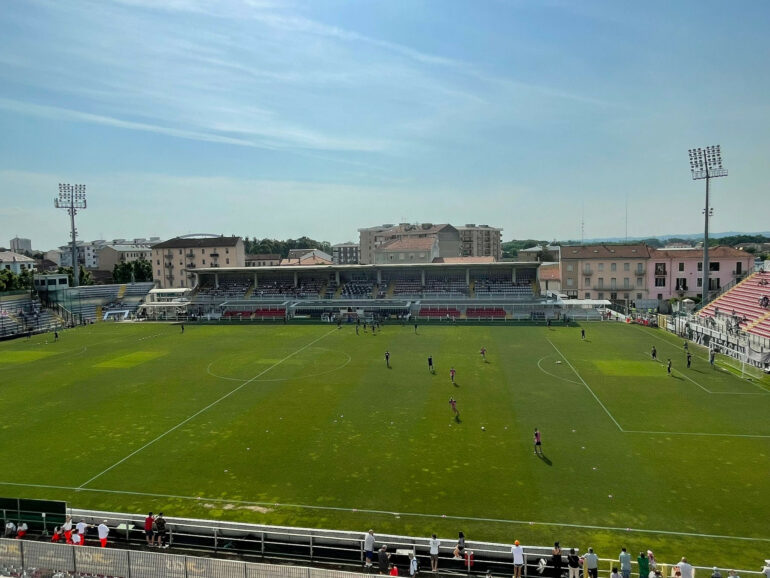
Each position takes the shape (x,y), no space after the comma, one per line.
(182,243)
(505,265)
(464,260)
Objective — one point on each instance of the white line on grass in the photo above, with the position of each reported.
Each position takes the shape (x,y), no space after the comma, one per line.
(599,401)
(540,367)
(685,433)
(386,512)
(209,406)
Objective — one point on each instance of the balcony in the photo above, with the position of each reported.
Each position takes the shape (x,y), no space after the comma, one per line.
(214,255)
(169,265)
(588,272)
(191,265)
(190,255)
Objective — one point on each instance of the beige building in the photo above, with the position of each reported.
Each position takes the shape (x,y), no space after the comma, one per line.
(345,253)
(15,262)
(263,259)
(409,250)
(111,255)
(174,261)
(448,237)
(615,272)
(481,241)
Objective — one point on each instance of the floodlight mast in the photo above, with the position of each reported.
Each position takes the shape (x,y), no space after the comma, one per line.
(72,198)
(706,163)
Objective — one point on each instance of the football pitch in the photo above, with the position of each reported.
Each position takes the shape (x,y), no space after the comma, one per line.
(305,425)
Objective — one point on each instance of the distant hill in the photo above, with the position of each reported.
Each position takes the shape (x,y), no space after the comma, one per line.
(691,236)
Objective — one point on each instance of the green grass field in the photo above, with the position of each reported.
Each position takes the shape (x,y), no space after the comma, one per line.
(304,425)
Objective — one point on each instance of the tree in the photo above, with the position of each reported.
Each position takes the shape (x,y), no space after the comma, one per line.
(85,275)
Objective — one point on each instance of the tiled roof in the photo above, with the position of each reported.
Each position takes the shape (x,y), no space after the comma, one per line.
(720,251)
(10,257)
(409,244)
(197,243)
(636,251)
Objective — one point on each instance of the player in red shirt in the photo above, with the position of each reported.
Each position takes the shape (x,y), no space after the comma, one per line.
(483,353)
(452,374)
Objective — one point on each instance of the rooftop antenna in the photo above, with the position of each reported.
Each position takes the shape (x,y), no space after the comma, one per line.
(582,224)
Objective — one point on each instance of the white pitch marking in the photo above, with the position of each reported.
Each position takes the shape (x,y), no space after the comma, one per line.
(209,406)
(387,512)
(587,386)
(540,367)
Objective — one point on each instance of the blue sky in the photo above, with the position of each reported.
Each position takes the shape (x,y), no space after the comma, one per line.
(281,119)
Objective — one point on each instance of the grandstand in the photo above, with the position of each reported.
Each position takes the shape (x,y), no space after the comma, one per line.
(746,306)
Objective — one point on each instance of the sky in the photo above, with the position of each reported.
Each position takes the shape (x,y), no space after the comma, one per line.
(288,118)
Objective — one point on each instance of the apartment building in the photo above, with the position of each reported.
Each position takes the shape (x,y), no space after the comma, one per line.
(20,245)
(615,272)
(448,237)
(408,250)
(345,253)
(111,255)
(174,261)
(481,241)
(678,272)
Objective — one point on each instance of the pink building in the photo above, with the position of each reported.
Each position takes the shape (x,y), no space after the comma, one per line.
(679,272)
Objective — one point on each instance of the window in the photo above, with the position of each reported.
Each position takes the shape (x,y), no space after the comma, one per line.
(228,260)
(613,267)
(614,296)
(639,268)
(180,263)
(588,295)
(601,282)
(660,296)
(714,283)
(626,266)
(570,282)
(587,283)
(681,283)
(600,295)
(613,283)
(158,272)
(227,251)
(681,266)
(638,295)
(203,251)
(660,281)
(700,266)
(626,296)
(739,268)
(626,282)
(601,266)
(158,260)
(639,282)
(700,281)
(180,251)
(569,267)
(660,268)
(713,266)
(204,261)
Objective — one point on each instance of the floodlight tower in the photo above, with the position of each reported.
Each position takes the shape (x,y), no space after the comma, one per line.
(72,198)
(706,163)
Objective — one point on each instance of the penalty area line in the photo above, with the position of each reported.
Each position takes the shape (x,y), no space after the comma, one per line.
(387,512)
(209,406)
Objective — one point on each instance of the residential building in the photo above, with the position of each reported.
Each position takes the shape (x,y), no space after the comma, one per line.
(550,278)
(263,259)
(541,253)
(111,255)
(174,261)
(679,272)
(408,250)
(19,245)
(614,272)
(88,255)
(345,253)
(16,262)
(448,237)
(307,257)
(481,241)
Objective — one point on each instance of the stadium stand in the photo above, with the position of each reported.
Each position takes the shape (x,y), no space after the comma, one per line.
(357,289)
(745,306)
(406,285)
(439,312)
(231,288)
(445,286)
(485,313)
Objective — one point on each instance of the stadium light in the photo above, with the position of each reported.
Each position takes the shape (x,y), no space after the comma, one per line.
(706,163)
(72,198)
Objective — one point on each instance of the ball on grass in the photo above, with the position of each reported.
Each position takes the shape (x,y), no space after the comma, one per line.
(483,428)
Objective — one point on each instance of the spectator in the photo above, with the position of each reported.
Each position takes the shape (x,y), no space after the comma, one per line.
(103,532)
(458,551)
(556,560)
(434,546)
(369,548)
(651,559)
(22,531)
(716,573)
(686,568)
(573,563)
(766,569)
(644,565)
(382,559)
(591,563)
(160,526)
(148,522)
(518,559)
(393,569)
(625,563)
(412,565)
(82,528)
(67,528)
(732,574)
(57,534)
(76,539)
(10,529)
(615,573)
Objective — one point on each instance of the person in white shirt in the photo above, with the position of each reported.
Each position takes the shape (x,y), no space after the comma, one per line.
(685,568)
(369,548)
(518,559)
(10,529)
(412,564)
(67,529)
(434,546)
(77,540)
(81,528)
(103,532)
(22,530)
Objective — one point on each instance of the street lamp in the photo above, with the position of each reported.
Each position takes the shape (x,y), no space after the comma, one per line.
(706,163)
(72,198)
